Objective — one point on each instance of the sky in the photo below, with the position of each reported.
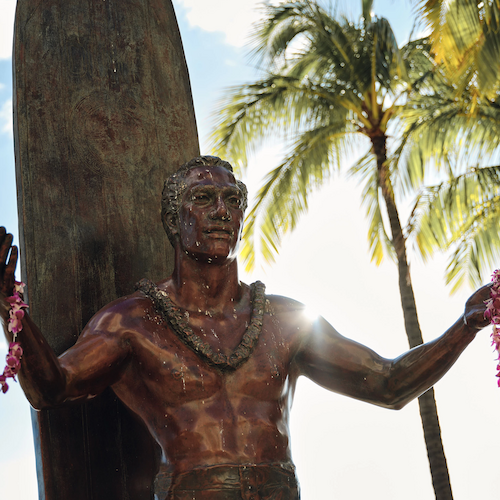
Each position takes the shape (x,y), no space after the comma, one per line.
(343,449)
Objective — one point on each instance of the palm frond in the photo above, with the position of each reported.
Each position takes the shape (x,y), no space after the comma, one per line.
(284,196)
(380,242)
(272,36)
(488,74)
(441,129)
(388,63)
(278,104)
(477,250)
(432,12)
(466,38)
(461,214)
(295,22)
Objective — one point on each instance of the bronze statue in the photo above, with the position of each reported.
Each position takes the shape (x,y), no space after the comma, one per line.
(209,363)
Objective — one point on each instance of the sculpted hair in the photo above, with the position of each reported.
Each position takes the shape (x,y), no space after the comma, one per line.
(175,186)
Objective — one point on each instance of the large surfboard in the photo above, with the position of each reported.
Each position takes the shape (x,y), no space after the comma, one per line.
(102,114)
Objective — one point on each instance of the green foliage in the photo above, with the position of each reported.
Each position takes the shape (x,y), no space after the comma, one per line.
(454,122)
(466,38)
(380,242)
(461,214)
(438,123)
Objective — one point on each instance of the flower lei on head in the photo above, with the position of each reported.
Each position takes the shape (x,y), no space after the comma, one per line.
(16,314)
(493,314)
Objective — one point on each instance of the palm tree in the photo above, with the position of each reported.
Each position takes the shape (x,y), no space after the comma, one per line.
(331,86)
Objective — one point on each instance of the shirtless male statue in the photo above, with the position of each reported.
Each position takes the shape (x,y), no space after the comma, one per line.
(209,363)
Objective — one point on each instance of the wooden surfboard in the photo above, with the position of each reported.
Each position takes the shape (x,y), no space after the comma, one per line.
(102,115)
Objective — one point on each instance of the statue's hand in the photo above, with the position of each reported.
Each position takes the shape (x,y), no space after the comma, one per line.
(475,307)
(8,261)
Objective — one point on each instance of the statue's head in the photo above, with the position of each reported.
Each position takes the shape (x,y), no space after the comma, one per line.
(175,187)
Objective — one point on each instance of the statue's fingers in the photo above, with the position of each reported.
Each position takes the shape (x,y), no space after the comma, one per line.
(10,269)
(8,275)
(480,295)
(5,245)
(3,235)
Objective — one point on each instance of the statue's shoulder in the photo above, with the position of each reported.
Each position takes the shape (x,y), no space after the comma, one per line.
(278,304)
(294,323)
(128,307)
(135,300)
(120,319)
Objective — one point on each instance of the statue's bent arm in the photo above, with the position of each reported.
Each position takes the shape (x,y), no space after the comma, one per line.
(83,371)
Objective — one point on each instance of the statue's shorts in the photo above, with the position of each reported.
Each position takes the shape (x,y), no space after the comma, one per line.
(226,482)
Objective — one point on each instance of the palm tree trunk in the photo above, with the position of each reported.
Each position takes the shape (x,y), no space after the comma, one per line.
(427,402)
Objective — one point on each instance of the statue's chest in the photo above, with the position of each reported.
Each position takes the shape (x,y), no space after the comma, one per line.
(177,373)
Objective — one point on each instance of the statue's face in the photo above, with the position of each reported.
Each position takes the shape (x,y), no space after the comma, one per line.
(211,216)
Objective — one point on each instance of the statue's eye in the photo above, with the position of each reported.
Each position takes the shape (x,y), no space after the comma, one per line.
(234,201)
(201,198)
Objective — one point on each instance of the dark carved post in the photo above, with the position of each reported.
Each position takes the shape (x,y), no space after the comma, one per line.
(103,113)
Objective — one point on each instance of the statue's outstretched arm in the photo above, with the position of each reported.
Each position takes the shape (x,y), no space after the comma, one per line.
(80,373)
(344,366)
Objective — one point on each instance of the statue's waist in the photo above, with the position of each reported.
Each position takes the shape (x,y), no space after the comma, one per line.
(258,481)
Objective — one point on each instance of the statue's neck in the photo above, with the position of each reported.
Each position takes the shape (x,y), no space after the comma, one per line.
(205,286)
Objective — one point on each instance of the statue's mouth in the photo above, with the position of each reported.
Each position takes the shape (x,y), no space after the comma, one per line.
(219,232)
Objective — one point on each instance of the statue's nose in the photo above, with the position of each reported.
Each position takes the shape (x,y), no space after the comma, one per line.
(220,210)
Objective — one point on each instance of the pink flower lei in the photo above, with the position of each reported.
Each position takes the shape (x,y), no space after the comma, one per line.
(492,313)
(14,326)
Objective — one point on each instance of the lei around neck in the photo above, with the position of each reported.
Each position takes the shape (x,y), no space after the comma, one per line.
(179,324)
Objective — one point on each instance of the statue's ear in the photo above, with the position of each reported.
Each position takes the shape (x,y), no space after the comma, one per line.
(172,222)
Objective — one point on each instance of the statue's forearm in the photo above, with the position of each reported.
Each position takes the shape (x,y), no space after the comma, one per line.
(420,368)
(41,376)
